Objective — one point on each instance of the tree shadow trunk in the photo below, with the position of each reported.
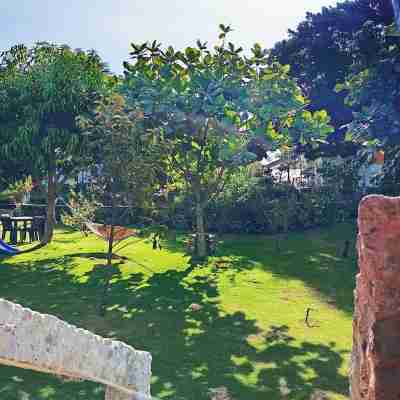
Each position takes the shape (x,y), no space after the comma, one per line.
(104,293)
(51,201)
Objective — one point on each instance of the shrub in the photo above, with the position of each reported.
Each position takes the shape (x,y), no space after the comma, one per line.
(258,204)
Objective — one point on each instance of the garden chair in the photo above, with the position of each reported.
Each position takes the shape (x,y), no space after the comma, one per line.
(23,231)
(7,226)
(36,230)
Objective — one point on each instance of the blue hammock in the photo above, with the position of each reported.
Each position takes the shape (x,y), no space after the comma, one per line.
(4,247)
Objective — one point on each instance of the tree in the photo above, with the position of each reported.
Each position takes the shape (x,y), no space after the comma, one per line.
(42,90)
(207,105)
(18,190)
(323,48)
(371,84)
(123,161)
(372,91)
(12,171)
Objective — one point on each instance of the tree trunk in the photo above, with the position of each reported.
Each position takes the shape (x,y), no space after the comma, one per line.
(110,243)
(103,299)
(51,201)
(396,8)
(200,228)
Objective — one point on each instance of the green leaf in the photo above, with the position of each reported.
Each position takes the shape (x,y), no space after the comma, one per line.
(195,145)
(286,68)
(340,87)
(392,30)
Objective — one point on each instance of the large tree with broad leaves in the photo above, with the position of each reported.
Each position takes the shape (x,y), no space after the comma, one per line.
(42,91)
(206,105)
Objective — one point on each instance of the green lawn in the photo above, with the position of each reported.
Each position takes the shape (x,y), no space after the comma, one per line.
(249,335)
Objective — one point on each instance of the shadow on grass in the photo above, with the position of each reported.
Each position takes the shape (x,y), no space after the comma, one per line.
(290,362)
(192,351)
(307,257)
(44,288)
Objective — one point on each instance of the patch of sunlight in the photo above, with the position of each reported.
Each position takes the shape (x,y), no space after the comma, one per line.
(199,371)
(80,270)
(114,307)
(194,322)
(166,394)
(123,309)
(329,256)
(193,331)
(47,392)
(248,378)
(239,360)
(128,269)
(23,395)
(335,395)
(306,373)
(168,390)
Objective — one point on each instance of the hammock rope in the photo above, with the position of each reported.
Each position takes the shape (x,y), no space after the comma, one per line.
(104,231)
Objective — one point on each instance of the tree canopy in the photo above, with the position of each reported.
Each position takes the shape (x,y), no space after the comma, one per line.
(326,45)
(372,89)
(42,90)
(121,156)
(206,105)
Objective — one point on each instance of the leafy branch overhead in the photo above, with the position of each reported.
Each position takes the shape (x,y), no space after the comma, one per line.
(243,96)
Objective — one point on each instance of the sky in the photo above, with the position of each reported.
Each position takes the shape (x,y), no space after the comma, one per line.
(109,26)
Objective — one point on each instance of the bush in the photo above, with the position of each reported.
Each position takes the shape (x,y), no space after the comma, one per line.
(260,205)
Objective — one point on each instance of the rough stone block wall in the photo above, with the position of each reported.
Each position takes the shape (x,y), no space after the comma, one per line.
(375,364)
(44,343)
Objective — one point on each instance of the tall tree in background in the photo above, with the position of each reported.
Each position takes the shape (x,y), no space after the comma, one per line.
(372,90)
(207,105)
(321,52)
(12,171)
(123,160)
(42,90)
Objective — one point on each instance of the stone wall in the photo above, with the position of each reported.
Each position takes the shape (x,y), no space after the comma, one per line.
(375,364)
(45,343)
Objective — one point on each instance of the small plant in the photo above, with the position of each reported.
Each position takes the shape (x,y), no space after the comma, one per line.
(18,190)
(81,210)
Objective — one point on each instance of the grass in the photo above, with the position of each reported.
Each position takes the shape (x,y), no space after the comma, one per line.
(249,336)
